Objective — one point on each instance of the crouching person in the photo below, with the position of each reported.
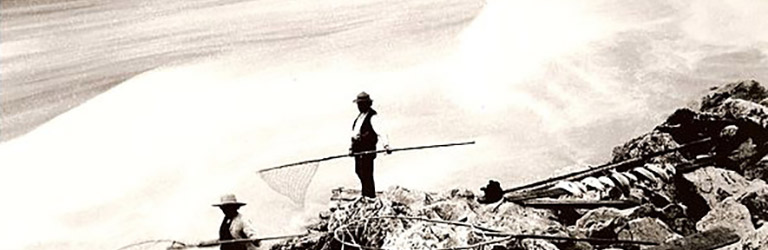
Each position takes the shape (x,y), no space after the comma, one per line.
(233,227)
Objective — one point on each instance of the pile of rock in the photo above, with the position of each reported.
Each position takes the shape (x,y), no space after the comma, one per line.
(721,184)
(349,216)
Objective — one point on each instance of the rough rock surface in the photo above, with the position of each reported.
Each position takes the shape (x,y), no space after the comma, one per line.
(757,240)
(647,229)
(749,90)
(514,218)
(653,141)
(737,108)
(603,222)
(755,198)
(715,184)
(729,214)
(531,244)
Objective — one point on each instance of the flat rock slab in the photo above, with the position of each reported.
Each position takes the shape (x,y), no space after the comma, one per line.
(710,239)
(715,184)
(730,214)
(647,229)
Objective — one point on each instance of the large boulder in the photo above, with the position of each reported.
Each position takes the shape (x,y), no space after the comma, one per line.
(757,240)
(646,144)
(448,210)
(412,199)
(426,235)
(647,229)
(737,108)
(715,184)
(533,244)
(749,90)
(602,222)
(512,218)
(755,198)
(729,214)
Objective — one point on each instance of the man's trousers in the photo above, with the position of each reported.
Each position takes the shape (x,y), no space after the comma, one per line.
(364,170)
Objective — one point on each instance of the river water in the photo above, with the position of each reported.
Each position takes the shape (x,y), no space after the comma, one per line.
(129,119)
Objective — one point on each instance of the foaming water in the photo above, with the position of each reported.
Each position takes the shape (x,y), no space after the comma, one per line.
(540,87)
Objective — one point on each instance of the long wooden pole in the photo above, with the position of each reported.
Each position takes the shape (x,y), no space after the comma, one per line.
(590,204)
(221,242)
(591,240)
(366,153)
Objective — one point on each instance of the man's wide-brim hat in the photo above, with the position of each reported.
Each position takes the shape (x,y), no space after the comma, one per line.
(229,200)
(363,97)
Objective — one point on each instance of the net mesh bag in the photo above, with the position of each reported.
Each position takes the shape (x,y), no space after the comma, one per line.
(291,181)
(155,245)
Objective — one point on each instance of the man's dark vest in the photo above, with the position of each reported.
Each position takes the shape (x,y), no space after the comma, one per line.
(368,137)
(224,234)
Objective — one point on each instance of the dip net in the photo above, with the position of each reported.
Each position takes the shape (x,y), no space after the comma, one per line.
(291,181)
(155,245)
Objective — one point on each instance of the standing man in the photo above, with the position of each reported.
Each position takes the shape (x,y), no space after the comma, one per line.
(233,227)
(366,133)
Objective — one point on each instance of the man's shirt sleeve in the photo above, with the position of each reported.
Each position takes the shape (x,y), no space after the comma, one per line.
(248,229)
(381,130)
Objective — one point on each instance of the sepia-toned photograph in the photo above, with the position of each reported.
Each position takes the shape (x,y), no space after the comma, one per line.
(383,124)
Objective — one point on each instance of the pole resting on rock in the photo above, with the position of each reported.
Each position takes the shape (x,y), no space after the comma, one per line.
(494,193)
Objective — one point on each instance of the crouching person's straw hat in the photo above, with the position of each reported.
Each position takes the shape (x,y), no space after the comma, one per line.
(229,200)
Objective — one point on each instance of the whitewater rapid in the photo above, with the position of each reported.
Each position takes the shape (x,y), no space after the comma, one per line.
(540,86)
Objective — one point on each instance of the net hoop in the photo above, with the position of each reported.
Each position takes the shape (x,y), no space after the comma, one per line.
(152,244)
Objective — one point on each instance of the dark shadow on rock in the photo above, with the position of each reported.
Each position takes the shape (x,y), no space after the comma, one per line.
(689,196)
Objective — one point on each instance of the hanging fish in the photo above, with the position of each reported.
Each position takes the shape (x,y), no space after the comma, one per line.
(581,186)
(593,183)
(632,178)
(568,187)
(656,169)
(606,181)
(620,179)
(641,171)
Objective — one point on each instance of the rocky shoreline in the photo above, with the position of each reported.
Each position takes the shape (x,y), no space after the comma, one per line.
(708,191)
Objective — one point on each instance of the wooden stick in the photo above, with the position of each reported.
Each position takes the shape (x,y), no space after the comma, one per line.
(533,194)
(221,242)
(438,221)
(592,240)
(579,203)
(367,153)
